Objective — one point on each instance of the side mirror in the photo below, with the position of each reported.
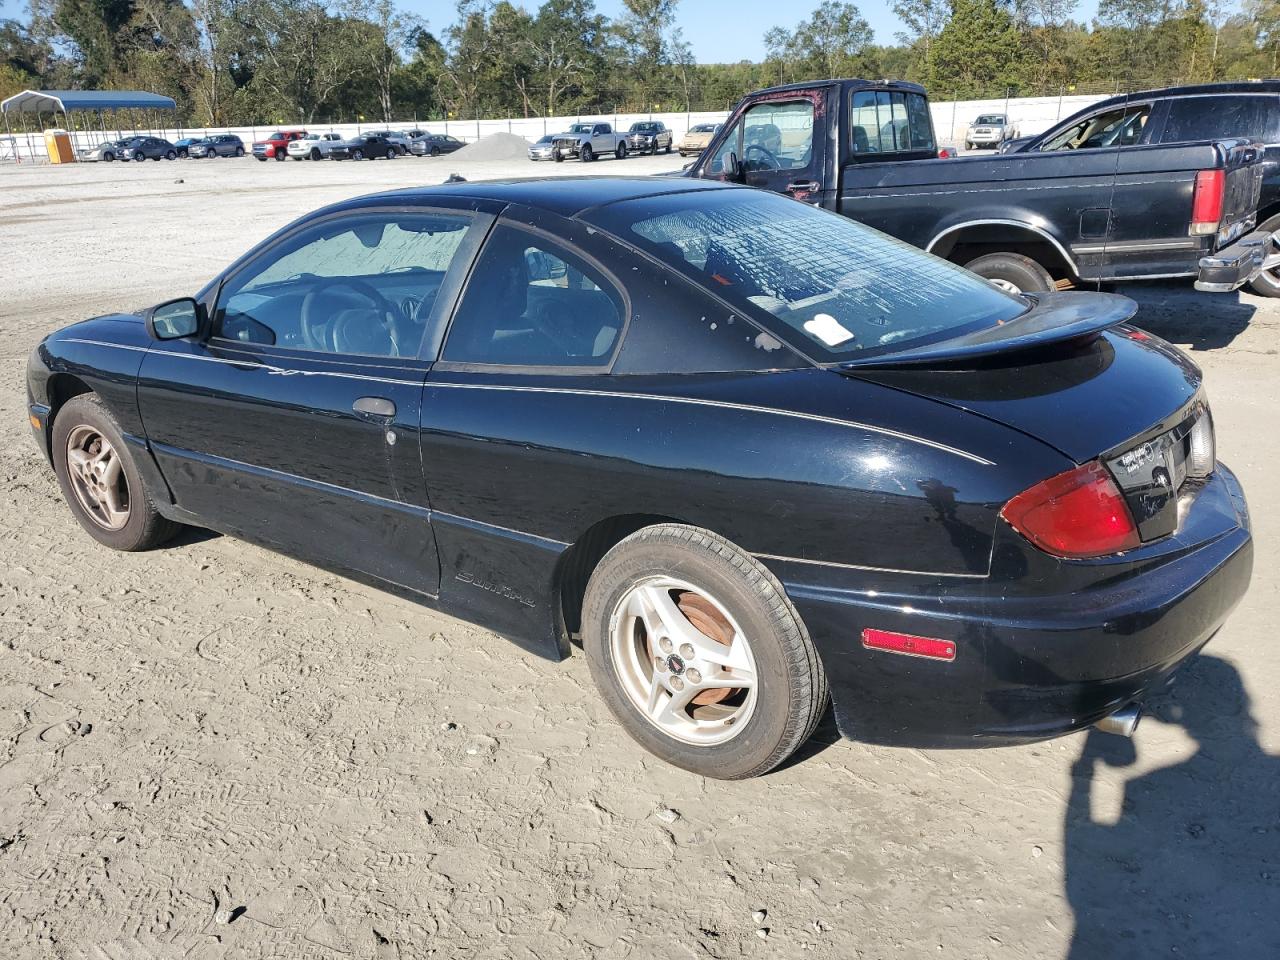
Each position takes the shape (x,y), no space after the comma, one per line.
(737,170)
(174,319)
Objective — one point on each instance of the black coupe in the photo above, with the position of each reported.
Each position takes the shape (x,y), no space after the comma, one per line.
(743,450)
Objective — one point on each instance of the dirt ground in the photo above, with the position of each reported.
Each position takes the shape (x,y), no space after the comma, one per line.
(212,751)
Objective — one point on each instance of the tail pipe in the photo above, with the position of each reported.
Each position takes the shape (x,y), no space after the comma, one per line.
(1123,722)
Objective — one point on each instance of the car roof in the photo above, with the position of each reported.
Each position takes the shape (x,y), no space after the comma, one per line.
(1190,90)
(849,82)
(565,196)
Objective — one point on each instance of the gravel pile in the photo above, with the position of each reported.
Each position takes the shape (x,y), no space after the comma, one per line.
(496,146)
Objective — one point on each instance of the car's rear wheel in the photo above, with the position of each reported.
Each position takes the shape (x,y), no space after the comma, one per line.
(391,153)
(699,653)
(1012,272)
(1267,283)
(101,481)
(587,153)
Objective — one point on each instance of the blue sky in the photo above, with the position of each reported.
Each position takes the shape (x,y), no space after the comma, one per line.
(719,30)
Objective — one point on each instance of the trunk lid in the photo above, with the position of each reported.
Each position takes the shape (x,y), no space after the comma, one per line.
(1061,377)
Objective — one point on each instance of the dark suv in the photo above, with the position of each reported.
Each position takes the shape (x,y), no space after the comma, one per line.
(1209,111)
(649,136)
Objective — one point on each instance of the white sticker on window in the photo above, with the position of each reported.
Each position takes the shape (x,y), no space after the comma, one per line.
(827,329)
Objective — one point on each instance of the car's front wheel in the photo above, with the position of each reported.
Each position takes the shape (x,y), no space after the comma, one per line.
(700,654)
(315,154)
(100,479)
(357,154)
(587,154)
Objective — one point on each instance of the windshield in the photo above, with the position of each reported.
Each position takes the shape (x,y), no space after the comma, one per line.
(581,128)
(833,288)
(643,127)
(991,118)
(548,138)
(703,128)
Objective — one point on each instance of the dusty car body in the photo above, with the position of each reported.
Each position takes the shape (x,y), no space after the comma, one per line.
(668,419)
(697,138)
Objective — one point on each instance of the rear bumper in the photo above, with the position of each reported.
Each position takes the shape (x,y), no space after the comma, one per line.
(1030,665)
(1234,266)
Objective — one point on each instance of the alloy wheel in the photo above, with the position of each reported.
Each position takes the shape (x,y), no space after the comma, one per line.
(98,478)
(683,661)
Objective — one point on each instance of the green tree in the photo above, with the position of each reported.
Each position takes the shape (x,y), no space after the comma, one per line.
(924,20)
(829,43)
(979,53)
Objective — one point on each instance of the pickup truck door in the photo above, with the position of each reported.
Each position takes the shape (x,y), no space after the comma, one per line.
(777,145)
(602,140)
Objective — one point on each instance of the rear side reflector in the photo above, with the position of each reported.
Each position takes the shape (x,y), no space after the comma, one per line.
(1080,513)
(1206,202)
(906,643)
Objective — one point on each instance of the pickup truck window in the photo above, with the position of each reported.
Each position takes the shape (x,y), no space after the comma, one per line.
(1121,127)
(883,121)
(770,136)
(1216,118)
(831,287)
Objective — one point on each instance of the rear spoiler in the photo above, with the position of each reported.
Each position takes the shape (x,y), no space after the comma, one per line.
(1053,318)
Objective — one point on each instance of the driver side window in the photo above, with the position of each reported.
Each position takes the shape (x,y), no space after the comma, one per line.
(1121,127)
(778,136)
(361,284)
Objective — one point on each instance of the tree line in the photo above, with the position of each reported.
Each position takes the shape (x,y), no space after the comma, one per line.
(229,62)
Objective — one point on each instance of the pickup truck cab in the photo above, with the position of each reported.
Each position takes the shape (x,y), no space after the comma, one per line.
(1114,207)
(586,141)
(275,146)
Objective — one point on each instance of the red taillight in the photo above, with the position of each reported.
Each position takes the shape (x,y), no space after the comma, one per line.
(1079,513)
(908,644)
(1206,202)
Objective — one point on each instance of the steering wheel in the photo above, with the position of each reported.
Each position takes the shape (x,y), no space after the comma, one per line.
(317,330)
(773,162)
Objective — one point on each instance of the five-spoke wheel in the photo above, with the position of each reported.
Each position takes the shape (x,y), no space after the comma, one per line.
(97,477)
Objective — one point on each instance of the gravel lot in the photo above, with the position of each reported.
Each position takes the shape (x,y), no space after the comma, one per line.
(214,751)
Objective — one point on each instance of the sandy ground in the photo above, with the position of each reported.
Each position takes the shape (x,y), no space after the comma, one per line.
(214,751)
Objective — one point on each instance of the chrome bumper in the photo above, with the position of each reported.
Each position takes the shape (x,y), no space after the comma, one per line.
(1232,267)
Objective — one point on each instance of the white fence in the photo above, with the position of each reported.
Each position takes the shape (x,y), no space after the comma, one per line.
(1029,115)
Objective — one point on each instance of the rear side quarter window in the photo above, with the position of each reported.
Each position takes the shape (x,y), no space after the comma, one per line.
(1215,118)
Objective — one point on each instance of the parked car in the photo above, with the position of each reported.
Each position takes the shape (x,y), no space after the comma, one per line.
(183,144)
(745,449)
(1206,111)
(434,144)
(314,146)
(365,146)
(544,148)
(276,146)
(586,141)
(1114,207)
(989,130)
(143,148)
(107,151)
(397,139)
(218,145)
(697,138)
(649,136)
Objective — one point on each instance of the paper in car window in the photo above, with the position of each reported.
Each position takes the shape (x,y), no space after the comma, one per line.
(827,329)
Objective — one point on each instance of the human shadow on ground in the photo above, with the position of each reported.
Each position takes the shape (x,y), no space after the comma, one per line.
(1192,867)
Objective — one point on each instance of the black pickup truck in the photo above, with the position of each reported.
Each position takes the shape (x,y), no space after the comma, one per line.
(1108,208)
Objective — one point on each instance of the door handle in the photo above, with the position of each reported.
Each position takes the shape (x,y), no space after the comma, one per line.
(806,186)
(374,407)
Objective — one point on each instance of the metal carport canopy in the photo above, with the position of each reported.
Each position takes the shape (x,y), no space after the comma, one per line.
(55,101)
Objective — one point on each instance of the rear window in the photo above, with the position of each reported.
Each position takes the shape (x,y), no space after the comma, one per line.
(1214,118)
(991,118)
(889,121)
(832,288)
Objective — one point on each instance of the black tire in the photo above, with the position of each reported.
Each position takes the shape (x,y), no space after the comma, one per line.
(140,157)
(559,159)
(171,155)
(791,692)
(109,157)
(239,151)
(1267,283)
(1012,272)
(280,155)
(315,153)
(145,528)
(587,154)
(435,151)
(668,148)
(391,153)
(357,154)
(621,152)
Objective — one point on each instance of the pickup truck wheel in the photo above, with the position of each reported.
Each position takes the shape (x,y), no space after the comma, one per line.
(621,152)
(700,655)
(1012,272)
(587,153)
(559,159)
(1267,283)
(315,154)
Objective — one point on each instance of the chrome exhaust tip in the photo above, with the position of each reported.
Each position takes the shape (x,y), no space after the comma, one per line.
(1123,722)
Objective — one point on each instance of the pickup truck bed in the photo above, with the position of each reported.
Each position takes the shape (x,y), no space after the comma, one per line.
(1026,221)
